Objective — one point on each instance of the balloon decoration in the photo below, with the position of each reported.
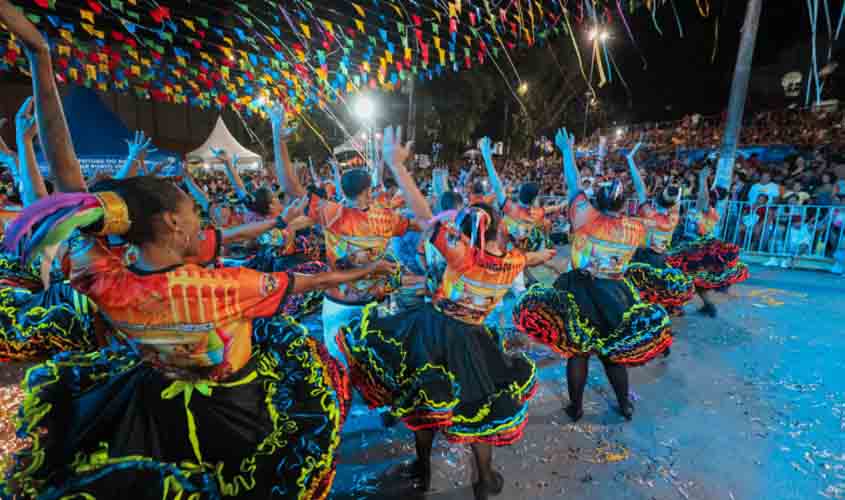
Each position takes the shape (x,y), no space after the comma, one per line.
(305,53)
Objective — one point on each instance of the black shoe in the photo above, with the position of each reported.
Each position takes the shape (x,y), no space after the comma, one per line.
(419,473)
(626,409)
(483,489)
(708,310)
(574,413)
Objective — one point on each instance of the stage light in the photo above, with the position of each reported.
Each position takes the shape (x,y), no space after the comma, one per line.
(604,36)
(620,132)
(364,108)
(522,89)
(593,34)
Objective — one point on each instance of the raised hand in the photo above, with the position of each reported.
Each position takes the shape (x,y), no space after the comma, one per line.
(393,152)
(277,115)
(220,154)
(562,140)
(140,144)
(25,125)
(633,152)
(486,153)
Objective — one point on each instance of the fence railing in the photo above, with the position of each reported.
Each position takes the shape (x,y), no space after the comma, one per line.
(788,232)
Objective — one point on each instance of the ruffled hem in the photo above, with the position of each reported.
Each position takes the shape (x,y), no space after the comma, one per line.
(40,324)
(667,286)
(122,430)
(712,263)
(402,362)
(554,318)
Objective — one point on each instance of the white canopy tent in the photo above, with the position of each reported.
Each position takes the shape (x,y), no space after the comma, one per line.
(221,138)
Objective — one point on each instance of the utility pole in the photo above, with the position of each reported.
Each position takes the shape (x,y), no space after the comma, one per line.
(412,112)
(739,92)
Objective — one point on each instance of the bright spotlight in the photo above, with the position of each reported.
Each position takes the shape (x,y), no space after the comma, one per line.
(620,132)
(593,34)
(522,89)
(364,108)
(604,36)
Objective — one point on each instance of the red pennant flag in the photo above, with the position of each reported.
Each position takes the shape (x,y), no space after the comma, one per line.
(117,36)
(95,7)
(44,4)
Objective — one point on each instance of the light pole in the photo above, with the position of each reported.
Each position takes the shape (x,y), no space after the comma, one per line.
(739,91)
(364,108)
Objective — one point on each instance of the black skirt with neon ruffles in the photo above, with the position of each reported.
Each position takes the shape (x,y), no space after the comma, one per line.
(108,425)
(712,263)
(657,282)
(435,372)
(582,315)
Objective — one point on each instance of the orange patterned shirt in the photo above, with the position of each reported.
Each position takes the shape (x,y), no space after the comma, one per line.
(661,226)
(475,281)
(187,317)
(603,244)
(356,238)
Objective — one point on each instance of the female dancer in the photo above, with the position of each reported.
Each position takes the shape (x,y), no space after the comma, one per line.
(40,314)
(436,366)
(712,263)
(657,282)
(593,309)
(188,407)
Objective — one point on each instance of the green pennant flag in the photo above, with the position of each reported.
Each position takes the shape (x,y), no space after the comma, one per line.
(133,15)
(414,69)
(345,51)
(248,21)
(466,51)
(435,28)
(203,21)
(372,41)
(400,27)
(117,5)
(34,18)
(451,57)
(405,41)
(495,51)
(167,36)
(243,7)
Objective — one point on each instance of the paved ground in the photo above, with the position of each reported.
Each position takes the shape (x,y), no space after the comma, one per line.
(750,405)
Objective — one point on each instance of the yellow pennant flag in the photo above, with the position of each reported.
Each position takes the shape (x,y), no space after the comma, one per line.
(73,74)
(90,72)
(224,71)
(189,24)
(181,61)
(102,86)
(66,35)
(389,55)
(359,10)
(436,41)
(452,10)
(145,61)
(99,34)
(227,51)
(408,53)
(64,50)
(397,9)
(207,57)
(442,56)
(88,28)
(329,26)
(104,68)
(306,30)
(360,25)
(86,15)
(133,53)
(229,41)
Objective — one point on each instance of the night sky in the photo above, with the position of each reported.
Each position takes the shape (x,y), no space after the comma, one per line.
(680,74)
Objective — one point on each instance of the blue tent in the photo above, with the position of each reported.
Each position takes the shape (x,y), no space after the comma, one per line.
(98,135)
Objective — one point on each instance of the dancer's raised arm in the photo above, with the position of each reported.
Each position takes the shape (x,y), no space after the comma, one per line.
(232,173)
(396,154)
(284,167)
(32,183)
(636,178)
(495,182)
(138,147)
(570,169)
(52,126)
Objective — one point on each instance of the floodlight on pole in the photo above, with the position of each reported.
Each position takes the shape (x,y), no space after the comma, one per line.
(364,108)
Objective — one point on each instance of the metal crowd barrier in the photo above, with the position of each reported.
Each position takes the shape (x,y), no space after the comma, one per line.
(807,236)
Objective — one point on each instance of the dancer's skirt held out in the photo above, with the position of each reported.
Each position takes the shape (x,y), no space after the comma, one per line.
(37,324)
(435,372)
(108,425)
(712,263)
(657,282)
(582,315)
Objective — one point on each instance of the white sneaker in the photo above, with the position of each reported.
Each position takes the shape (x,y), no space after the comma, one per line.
(838,268)
(773,262)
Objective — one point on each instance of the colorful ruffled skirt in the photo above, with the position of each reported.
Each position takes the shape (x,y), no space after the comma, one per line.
(712,263)
(435,372)
(108,425)
(657,282)
(35,325)
(295,305)
(582,315)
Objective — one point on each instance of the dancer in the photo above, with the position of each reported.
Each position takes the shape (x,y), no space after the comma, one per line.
(40,314)
(436,366)
(712,263)
(657,282)
(186,407)
(593,309)
(356,234)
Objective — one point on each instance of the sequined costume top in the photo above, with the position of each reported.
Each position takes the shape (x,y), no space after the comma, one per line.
(283,239)
(526,226)
(603,244)
(660,225)
(700,224)
(186,317)
(474,281)
(384,200)
(357,238)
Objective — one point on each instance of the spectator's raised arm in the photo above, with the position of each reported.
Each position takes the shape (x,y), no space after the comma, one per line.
(495,182)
